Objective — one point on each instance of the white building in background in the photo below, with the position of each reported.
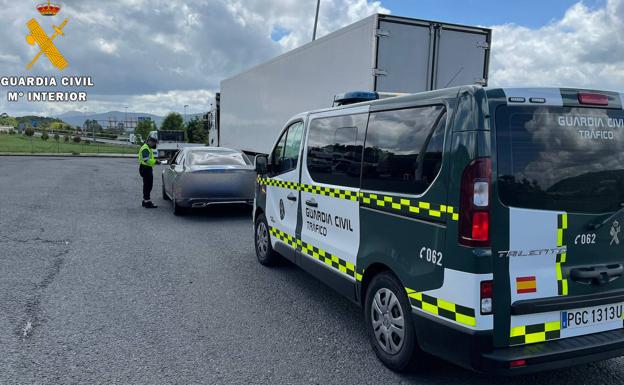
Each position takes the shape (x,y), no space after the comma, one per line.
(6,129)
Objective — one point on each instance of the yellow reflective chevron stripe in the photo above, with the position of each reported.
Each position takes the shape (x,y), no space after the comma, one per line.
(530,334)
(403,205)
(323,256)
(562,226)
(408,206)
(331,192)
(437,306)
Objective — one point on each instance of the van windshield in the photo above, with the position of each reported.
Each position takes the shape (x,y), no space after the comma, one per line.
(560,158)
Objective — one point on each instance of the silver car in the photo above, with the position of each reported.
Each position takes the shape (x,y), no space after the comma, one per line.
(202,176)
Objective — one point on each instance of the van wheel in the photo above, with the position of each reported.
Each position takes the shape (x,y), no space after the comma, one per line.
(390,326)
(264,252)
(164,194)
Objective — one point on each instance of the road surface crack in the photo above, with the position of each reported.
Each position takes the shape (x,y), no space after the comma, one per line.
(33,317)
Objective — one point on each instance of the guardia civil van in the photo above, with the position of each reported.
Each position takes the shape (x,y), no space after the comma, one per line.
(482,226)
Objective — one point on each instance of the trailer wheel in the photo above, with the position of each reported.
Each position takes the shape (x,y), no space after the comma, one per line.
(262,239)
(389,323)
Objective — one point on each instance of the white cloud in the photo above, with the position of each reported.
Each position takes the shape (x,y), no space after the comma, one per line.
(107,47)
(585,48)
(159,54)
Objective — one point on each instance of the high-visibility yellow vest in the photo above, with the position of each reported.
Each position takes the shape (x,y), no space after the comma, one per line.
(151,161)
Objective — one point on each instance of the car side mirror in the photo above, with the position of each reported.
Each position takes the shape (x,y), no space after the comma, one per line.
(262,164)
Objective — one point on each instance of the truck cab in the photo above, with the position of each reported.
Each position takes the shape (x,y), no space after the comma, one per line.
(479,225)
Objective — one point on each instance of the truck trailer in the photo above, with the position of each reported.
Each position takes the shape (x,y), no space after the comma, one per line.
(170,142)
(382,53)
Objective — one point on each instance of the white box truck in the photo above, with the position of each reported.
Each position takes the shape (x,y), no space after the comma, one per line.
(381,53)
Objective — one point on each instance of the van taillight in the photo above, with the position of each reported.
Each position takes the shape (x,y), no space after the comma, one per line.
(487,297)
(474,209)
(481,226)
(593,99)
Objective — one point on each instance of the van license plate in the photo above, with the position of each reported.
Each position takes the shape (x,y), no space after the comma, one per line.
(591,316)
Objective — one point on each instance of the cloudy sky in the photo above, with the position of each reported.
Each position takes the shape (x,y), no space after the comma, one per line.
(156,56)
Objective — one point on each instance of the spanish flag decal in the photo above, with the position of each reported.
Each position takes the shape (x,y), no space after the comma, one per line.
(526,285)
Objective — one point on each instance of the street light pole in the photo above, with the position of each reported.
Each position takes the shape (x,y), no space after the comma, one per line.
(185,120)
(126,120)
(318,7)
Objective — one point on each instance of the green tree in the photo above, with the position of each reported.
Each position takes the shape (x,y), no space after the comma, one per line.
(91,125)
(144,128)
(57,138)
(66,138)
(195,131)
(8,121)
(29,131)
(173,122)
(44,135)
(60,127)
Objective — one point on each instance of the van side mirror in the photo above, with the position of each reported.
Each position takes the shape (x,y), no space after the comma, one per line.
(262,164)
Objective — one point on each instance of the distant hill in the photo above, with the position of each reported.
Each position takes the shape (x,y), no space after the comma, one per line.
(39,121)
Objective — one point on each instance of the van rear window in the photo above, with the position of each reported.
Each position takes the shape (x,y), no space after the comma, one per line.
(559,158)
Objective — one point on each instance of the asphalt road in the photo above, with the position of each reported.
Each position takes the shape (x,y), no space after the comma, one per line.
(95,289)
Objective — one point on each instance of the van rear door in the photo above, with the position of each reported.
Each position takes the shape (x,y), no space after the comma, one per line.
(560,187)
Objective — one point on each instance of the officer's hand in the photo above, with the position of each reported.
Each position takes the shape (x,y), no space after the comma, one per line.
(157,161)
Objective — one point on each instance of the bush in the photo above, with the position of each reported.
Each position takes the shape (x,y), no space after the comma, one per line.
(29,131)
(11,132)
(87,142)
(57,137)
(66,138)
(77,139)
(45,136)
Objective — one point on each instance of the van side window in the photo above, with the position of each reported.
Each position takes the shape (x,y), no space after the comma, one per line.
(286,153)
(335,149)
(432,160)
(395,141)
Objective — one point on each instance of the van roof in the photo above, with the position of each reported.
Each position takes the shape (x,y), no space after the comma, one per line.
(550,95)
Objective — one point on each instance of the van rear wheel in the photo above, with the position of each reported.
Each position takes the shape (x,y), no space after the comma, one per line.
(390,326)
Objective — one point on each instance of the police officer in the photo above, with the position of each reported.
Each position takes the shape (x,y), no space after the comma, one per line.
(146,165)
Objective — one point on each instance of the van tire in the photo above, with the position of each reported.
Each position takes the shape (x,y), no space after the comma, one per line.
(262,241)
(408,356)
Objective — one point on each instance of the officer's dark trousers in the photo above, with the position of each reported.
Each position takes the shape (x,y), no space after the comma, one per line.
(148,181)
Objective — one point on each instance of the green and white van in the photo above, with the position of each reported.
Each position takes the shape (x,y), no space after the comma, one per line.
(482,226)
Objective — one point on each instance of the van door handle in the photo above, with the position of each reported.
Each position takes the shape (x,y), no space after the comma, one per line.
(597,275)
(311,203)
(292,197)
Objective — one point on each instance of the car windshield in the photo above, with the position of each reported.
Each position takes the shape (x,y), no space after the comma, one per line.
(557,158)
(218,158)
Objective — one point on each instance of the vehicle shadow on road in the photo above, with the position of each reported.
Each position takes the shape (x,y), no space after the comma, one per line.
(439,371)
(217,212)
